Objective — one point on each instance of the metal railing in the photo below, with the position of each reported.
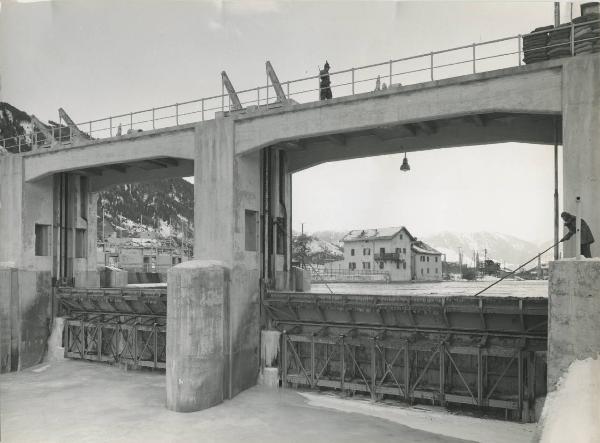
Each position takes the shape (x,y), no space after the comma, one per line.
(429,66)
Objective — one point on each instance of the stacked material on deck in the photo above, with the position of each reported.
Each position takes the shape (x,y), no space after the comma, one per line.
(587,35)
(534,45)
(559,43)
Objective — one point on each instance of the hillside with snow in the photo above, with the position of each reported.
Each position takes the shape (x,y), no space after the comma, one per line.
(164,209)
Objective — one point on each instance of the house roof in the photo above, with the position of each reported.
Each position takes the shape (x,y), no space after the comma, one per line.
(423,248)
(375,234)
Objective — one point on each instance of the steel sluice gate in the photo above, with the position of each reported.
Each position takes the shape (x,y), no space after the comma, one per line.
(116,325)
(487,352)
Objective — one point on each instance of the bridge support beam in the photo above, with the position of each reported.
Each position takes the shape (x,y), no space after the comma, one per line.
(581,144)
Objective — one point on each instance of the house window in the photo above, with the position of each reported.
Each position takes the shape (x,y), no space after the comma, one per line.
(80,249)
(427,259)
(436,259)
(250,222)
(175,260)
(380,265)
(428,270)
(404,265)
(382,251)
(366,251)
(42,233)
(366,265)
(397,265)
(421,271)
(398,250)
(352,252)
(404,250)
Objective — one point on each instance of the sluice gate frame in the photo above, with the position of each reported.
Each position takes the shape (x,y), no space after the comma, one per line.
(486,352)
(115,325)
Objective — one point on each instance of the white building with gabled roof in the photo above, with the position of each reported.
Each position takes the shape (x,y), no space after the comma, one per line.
(393,250)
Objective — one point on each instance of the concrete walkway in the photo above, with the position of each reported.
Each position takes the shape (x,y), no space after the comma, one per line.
(74,401)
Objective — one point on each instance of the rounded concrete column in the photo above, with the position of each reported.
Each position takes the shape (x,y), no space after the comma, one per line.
(197,335)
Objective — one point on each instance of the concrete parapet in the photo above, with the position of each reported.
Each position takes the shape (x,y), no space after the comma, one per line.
(198,374)
(574,305)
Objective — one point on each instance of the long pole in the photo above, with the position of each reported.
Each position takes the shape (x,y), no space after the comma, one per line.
(556,242)
(512,272)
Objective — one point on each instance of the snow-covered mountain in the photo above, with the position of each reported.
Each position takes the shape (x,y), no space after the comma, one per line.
(505,248)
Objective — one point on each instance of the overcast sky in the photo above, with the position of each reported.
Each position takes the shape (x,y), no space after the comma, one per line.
(102,57)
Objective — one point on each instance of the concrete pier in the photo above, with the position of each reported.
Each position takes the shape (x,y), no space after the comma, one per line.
(573,327)
(198,375)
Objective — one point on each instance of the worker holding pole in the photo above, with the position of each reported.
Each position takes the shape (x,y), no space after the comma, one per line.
(586,234)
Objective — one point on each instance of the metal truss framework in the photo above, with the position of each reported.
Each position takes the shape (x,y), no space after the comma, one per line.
(115,325)
(438,349)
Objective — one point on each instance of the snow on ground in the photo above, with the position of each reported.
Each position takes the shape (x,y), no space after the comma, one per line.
(435,420)
(76,401)
(506,288)
(572,412)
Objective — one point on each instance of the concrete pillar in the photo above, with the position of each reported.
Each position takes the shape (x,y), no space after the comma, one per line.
(581,141)
(226,198)
(574,310)
(198,372)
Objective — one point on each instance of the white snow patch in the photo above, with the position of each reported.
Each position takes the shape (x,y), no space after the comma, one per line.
(435,421)
(572,412)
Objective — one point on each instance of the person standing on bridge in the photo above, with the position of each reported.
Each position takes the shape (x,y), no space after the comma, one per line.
(324,83)
(586,234)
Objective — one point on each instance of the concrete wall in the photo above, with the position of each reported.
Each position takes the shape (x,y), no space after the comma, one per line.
(581,140)
(573,326)
(26,291)
(224,187)
(11,202)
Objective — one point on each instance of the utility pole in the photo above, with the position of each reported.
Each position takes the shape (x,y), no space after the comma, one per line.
(484,261)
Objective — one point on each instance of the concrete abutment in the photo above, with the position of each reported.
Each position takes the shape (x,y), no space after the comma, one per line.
(574,305)
(198,335)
